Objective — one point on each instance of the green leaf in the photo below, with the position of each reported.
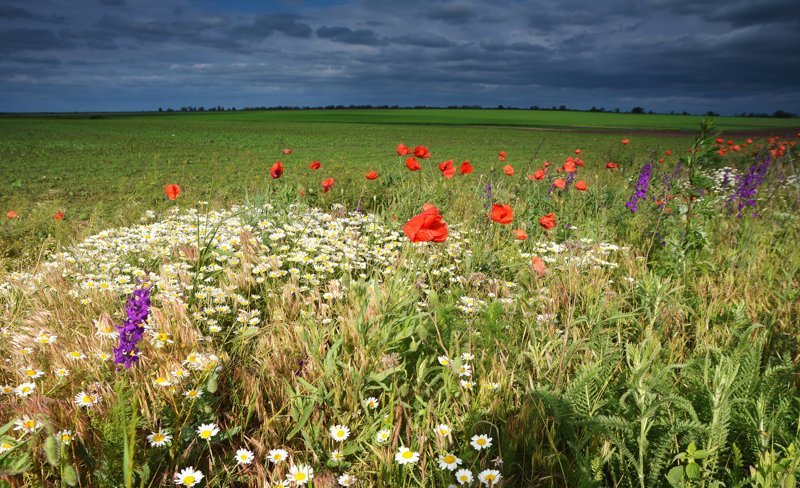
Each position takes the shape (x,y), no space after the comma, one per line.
(675,477)
(693,471)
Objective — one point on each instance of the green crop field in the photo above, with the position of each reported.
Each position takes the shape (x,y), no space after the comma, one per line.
(593,300)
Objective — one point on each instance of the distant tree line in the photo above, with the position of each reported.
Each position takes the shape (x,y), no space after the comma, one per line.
(778,114)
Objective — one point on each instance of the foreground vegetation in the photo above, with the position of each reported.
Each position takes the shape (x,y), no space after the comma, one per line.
(644,334)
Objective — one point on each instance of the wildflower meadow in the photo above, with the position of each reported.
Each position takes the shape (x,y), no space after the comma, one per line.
(391,305)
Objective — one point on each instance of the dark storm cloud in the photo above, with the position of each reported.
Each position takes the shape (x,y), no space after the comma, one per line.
(453,13)
(694,55)
(423,39)
(364,37)
(266,24)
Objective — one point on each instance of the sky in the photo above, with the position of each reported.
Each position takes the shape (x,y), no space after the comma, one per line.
(728,56)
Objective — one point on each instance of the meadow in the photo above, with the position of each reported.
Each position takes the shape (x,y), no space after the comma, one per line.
(551,299)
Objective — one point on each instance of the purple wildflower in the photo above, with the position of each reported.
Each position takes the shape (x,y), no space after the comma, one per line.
(641,188)
(488,195)
(744,192)
(131,331)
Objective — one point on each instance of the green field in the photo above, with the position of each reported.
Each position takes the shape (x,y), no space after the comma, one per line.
(624,342)
(102,170)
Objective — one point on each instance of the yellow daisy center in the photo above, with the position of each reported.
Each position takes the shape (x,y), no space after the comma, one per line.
(449,459)
(188,478)
(481,442)
(205,434)
(300,476)
(408,455)
(158,437)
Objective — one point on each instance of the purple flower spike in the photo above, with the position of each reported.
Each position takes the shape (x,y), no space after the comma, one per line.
(131,331)
(641,188)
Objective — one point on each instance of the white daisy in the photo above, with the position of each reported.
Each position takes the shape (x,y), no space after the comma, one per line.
(188,477)
(347,480)
(207,431)
(244,456)
(442,430)
(64,437)
(86,400)
(277,456)
(25,389)
(489,477)
(481,442)
(160,438)
(371,403)
(449,461)
(406,456)
(300,474)
(339,432)
(464,476)
(382,436)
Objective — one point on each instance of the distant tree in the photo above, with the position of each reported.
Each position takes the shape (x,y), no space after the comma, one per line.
(616,110)
(711,113)
(637,110)
(160,109)
(780,114)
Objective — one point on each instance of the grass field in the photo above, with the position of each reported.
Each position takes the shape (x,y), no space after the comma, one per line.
(635,328)
(103,171)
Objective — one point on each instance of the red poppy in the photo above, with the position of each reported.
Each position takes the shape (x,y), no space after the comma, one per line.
(508,169)
(730,143)
(58,215)
(538,265)
(548,221)
(447,169)
(11,214)
(172,191)
(327,183)
(422,152)
(736,147)
(611,165)
(403,150)
(577,151)
(426,226)
(466,168)
(413,164)
(546,164)
(569,167)
(539,174)
(315,165)
(502,213)
(721,152)
(625,142)
(720,140)
(372,175)
(276,170)
(560,183)
(750,141)
(660,160)
(579,162)
(520,235)
(668,152)
(287,151)
(502,156)
(581,185)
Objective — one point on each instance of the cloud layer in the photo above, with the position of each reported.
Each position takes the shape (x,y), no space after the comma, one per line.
(693,55)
